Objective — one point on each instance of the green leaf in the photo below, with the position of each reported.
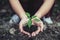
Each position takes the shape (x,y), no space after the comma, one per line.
(29,23)
(33,17)
(28,14)
(37,19)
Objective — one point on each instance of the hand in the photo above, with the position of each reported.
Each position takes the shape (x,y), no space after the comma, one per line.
(40,26)
(22,24)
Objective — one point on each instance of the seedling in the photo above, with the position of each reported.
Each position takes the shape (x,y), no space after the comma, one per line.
(29,23)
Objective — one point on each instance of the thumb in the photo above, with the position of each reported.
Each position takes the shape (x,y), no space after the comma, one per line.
(20,27)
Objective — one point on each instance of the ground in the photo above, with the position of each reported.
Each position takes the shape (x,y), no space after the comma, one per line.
(8,32)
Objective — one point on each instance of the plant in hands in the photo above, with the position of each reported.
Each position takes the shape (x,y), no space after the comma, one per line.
(29,23)
(37,22)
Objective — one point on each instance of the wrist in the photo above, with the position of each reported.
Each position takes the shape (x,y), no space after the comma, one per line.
(23,16)
(38,15)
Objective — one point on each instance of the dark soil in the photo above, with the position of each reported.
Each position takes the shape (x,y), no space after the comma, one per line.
(31,29)
(51,33)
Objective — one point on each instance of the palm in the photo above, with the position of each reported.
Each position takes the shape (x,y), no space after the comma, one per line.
(39,25)
(21,25)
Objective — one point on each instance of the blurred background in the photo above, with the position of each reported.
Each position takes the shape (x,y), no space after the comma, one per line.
(6,10)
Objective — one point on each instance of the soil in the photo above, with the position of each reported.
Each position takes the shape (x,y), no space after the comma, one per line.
(31,29)
(50,33)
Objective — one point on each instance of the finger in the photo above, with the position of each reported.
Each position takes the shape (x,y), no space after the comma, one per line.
(33,34)
(36,32)
(42,26)
(26,33)
(21,29)
(39,29)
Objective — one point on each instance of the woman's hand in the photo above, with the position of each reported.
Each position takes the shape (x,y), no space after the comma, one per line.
(40,26)
(22,24)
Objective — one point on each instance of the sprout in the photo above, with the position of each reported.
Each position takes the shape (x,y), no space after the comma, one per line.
(29,23)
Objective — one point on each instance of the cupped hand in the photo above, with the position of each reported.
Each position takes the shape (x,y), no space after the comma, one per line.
(22,24)
(40,26)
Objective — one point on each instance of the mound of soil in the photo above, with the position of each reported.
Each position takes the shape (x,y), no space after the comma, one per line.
(31,29)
